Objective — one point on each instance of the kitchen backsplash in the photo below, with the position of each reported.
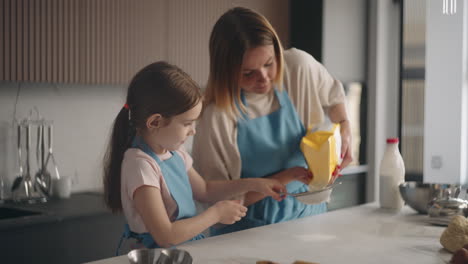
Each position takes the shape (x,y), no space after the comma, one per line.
(82,117)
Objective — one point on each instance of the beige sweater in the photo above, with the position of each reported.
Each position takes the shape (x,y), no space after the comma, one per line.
(311,89)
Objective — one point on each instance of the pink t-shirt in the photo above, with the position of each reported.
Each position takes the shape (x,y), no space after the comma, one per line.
(138,169)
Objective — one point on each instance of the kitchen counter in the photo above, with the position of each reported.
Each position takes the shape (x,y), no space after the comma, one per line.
(55,210)
(361,234)
(75,230)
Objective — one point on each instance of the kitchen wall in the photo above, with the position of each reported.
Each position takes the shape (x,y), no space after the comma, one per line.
(344,39)
(82,116)
(83,113)
(344,55)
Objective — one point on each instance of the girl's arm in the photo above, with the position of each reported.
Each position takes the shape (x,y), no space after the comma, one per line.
(212,191)
(284,177)
(149,204)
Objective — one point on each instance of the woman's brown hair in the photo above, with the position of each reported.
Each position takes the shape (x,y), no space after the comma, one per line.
(158,88)
(235,32)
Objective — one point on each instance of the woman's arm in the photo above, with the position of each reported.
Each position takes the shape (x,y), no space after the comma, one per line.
(149,204)
(215,153)
(338,114)
(213,191)
(316,93)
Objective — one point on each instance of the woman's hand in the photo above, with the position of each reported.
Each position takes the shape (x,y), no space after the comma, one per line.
(294,174)
(335,174)
(346,150)
(229,211)
(346,147)
(269,187)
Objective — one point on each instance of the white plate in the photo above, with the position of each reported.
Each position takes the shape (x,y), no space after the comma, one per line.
(316,196)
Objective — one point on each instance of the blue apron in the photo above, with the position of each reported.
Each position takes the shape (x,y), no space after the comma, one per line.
(175,175)
(267,145)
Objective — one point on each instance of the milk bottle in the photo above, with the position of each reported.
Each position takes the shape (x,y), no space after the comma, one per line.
(392,174)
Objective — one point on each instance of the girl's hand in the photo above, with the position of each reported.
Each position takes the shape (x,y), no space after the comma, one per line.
(346,148)
(294,174)
(269,187)
(229,212)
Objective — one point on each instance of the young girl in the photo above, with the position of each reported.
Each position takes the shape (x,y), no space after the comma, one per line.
(149,176)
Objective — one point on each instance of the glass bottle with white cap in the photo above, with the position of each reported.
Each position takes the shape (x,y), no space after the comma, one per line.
(392,174)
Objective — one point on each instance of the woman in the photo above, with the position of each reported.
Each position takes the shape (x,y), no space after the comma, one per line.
(253,122)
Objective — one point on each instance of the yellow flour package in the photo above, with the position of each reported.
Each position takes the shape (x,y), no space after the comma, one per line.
(321,147)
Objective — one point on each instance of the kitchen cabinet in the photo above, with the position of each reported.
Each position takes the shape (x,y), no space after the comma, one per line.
(107,42)
(73,41)
(351,192)
(73,230)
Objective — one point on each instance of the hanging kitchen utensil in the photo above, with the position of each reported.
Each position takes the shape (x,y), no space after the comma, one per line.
(30,195)
(42,177)
(50,155)
(19,178)
(27,181)
(39,162)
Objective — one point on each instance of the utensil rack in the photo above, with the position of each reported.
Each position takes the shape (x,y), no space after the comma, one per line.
(25,188)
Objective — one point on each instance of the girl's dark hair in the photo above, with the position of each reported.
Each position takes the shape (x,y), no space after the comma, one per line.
(158,88)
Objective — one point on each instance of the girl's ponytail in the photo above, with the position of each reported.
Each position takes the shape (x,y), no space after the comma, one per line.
(122,133)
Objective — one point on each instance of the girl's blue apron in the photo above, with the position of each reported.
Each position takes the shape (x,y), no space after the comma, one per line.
(175,175)
(267,145)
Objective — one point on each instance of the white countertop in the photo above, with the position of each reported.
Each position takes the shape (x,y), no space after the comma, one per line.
(362,234)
